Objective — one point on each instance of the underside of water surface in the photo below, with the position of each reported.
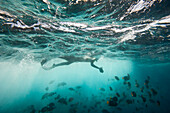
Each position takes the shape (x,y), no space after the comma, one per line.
(84,56)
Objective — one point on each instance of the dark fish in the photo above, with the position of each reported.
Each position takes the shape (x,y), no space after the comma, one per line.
(102,89)
(117,78)
(150,95)
(158,102)
(129,85)
(138,109)
(110,88)
(61,84)
(88,110)
(148,77)
(128,101)
(62,101)
(147,86)
(154,92)
(105,111)
(74,105)
(136,84)
(78,87)
(47,88)
(125,82)
(52,93)
(141,89)
(143,98)
(51,104)
(29,109)
(112,103)
(84,106)
(73,110)
(114,99)
(126,78)
(121,100)
(44,109)
(133,94)
(124,95)
(71,89)
(146,82)
(70,99)
(152,101)
(48,108)
(58,96)
(51,81)
(46,95)
(117,94)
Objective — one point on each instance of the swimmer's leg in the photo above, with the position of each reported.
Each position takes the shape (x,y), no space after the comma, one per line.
(100,68)
(61,64)
(54,65)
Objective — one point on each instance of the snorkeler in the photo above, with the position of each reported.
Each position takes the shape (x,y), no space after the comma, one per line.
(72,59)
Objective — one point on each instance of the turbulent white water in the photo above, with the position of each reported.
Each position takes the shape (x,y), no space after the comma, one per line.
(50,29)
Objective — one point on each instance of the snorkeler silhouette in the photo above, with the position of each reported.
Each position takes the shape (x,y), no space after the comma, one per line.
(72,59)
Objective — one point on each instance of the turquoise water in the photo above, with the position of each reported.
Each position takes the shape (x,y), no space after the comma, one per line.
(52,53)
(21,88)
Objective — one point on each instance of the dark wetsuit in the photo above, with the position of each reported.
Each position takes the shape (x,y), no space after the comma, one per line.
(72,59)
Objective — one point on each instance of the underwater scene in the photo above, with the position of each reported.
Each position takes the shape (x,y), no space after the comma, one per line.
(84,56)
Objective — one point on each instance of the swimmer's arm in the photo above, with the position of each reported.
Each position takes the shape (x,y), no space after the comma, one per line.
(100,68)
(92,64)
